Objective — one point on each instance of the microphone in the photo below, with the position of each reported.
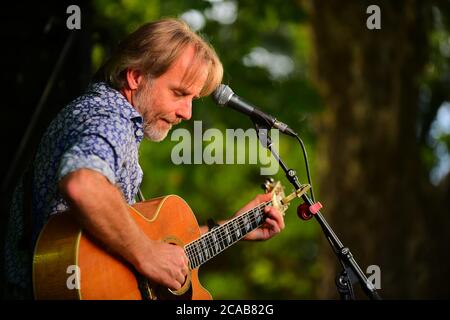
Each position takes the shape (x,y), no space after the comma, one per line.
(224,96)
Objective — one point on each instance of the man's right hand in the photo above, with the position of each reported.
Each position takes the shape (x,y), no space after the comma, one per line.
(165,264)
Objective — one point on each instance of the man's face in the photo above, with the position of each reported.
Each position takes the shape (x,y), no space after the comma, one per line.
(167,100)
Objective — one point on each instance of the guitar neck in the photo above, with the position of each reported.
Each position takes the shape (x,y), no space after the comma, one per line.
(217,240)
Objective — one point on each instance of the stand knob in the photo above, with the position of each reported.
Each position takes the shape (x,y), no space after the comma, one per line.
(303,212)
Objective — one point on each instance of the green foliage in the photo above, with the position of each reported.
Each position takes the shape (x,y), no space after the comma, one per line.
(435,84)
(284,267)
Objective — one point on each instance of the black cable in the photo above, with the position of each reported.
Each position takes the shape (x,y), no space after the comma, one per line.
(305,156)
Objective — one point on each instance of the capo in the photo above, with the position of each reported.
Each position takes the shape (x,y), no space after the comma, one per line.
(296,194)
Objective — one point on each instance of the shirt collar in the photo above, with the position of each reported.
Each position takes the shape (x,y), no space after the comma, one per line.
(122,105)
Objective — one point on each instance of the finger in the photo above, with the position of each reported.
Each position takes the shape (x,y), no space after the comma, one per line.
(275,215)
(185,260)
(278,216)
(182,253)
(264,197)
(185,271)
(260,198)
(181,278)
(174,285)
(273,226)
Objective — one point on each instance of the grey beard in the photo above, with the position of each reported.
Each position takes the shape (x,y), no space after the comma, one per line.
(152,133)
(149,124)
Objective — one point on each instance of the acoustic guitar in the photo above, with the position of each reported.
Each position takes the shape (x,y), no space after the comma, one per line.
(69,264)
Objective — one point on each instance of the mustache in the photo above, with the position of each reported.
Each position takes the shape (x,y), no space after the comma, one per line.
(173,121)
(148,120)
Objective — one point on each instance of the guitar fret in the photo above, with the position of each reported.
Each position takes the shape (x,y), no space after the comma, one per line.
(229,235)
(237,229)
(212,243)
(215,242)
(191,258)
(201,255)
(252,221)
(194,250)
(255,220)
(205,246)
(242,228)
(246,224)
(221,236)
(259,217)
(202,250)
(188,251)
(198,250)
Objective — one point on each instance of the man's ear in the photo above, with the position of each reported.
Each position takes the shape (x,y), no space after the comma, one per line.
(134,78)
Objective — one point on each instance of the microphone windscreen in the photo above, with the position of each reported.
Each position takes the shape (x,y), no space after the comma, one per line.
(222,94)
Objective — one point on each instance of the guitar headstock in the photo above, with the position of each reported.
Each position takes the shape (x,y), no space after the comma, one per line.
(277,190)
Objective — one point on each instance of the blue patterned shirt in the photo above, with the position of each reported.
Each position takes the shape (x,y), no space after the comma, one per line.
(99,130)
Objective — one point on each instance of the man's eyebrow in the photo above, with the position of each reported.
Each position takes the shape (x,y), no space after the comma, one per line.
(186,91)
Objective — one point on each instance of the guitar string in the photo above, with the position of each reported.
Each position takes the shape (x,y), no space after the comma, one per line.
(205,246)
(208,236)
(233,227)
(222,226)
(208,244)
(209,247)
(207,241)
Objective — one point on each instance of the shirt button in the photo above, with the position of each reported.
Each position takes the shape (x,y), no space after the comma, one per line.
(139,133)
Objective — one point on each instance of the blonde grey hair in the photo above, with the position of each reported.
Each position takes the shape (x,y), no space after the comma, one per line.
(152,49)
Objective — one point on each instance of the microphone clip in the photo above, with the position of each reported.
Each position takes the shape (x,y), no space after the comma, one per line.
(262,130)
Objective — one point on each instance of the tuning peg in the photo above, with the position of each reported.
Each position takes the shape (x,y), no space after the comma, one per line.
(268,184)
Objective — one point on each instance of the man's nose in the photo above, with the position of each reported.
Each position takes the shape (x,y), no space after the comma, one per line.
(185,110)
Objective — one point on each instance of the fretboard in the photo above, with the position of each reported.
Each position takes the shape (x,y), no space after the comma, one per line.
(218,239)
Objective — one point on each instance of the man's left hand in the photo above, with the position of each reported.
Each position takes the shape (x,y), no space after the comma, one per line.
(274,221)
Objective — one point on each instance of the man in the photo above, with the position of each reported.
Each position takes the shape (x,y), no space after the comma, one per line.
(88,157)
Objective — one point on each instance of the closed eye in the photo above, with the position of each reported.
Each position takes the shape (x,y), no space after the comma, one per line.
(179,93)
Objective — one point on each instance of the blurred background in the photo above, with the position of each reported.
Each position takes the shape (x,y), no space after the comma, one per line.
(372,106)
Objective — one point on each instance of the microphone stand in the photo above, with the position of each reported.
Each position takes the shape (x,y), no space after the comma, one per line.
(351,273)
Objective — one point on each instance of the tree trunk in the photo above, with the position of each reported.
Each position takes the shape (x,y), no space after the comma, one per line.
(375,192)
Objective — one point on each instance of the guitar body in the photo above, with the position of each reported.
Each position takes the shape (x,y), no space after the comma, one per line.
(64,252)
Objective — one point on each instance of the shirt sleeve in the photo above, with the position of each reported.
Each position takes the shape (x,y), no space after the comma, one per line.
(92,152)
